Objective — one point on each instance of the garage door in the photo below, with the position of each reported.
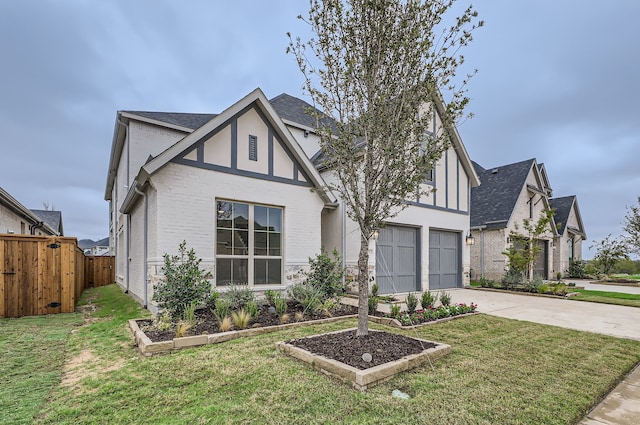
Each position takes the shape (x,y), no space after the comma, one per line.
(444,260)
(396,259)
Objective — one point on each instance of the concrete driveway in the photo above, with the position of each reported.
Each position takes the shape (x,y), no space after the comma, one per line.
(613,320)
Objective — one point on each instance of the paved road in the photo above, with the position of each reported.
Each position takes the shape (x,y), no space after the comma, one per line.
(608,288)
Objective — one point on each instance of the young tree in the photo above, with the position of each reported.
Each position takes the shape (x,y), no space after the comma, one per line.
(378,72)
(524,250)
(608,253)
(632,227)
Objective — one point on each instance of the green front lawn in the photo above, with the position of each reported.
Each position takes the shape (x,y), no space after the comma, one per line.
(500,371)
(618,298)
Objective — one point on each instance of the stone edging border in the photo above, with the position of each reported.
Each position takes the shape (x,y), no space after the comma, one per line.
(362,379)
(149,348)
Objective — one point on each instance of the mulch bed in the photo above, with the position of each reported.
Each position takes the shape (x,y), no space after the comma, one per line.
(345,347)
(208,324)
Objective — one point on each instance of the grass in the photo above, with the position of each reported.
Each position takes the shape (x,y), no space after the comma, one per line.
(627,276)
(605,297)
(500,371)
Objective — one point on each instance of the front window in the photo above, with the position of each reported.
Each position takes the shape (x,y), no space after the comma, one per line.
(570,249)
(248,244)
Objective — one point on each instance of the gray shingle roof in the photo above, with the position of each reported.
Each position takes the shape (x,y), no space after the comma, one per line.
(292,109)
(52,218)
(494,200)
(182,119)
(562,207)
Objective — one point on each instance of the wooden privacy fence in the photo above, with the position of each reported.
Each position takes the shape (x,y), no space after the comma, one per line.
(99,271)
(43,275)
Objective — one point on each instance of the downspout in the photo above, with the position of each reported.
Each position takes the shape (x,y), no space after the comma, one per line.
(146,272)
(116,209)
(34,227)
(128,258)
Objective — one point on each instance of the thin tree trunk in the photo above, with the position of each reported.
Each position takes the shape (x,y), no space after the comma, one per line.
(363,287)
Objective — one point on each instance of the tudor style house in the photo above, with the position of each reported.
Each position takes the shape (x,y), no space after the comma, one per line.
(241,187)
(508,195)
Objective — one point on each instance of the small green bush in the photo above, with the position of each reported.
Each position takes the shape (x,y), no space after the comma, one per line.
(326,274)
(211,300)
(445,298)
(395,310)
(577,269)
(511,278)
(271,296)
(428,299)
(544,288)
(309,296)
(486,283)
(221,309)
(374,289)
(252,308)
(533,285)
(559,289)
(373,304)
(280,304)
(241,318)
(412,302)
(239,297)
(184,282)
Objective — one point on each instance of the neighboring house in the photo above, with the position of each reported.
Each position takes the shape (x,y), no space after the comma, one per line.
(51,218)
(95,248)
(15,218)
(241,188)
(509,194)
(571,233)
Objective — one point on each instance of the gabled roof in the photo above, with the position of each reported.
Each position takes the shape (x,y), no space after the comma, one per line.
(295,112)
(562,207)
(256,98)
(494,200)
(51,218)
(180,119)
(17,208)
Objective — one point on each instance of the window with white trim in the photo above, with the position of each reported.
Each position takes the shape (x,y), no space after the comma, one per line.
(248,244)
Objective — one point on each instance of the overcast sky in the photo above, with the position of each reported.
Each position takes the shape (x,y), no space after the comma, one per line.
(557,80)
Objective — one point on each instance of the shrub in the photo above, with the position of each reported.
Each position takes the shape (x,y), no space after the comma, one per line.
(162,322)
(395,310)
(252,308)
(309,296)
(445,298)
(373,304)
(211,300)
(412,302)
(285,318)
(533,285)
(299,316)
(374,289)
(222,309)
(544,289)
(326,274)
(512,278)
(241,318)
(281,305)
(184,282)
(271,296)
(428,299)
(182,328)
(559,289)
(239,296)
(486,283)
(577,269)
(559,276)
(189,313)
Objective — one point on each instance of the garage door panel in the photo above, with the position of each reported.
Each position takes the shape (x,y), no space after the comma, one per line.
(396,265)
(444,260)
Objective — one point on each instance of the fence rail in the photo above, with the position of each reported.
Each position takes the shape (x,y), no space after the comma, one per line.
(45,274)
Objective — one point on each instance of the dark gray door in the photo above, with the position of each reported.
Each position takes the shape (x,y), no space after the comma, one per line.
(396,259)
(541,266)
(444,260)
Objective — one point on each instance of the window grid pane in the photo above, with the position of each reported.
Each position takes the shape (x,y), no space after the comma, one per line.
(236,234)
